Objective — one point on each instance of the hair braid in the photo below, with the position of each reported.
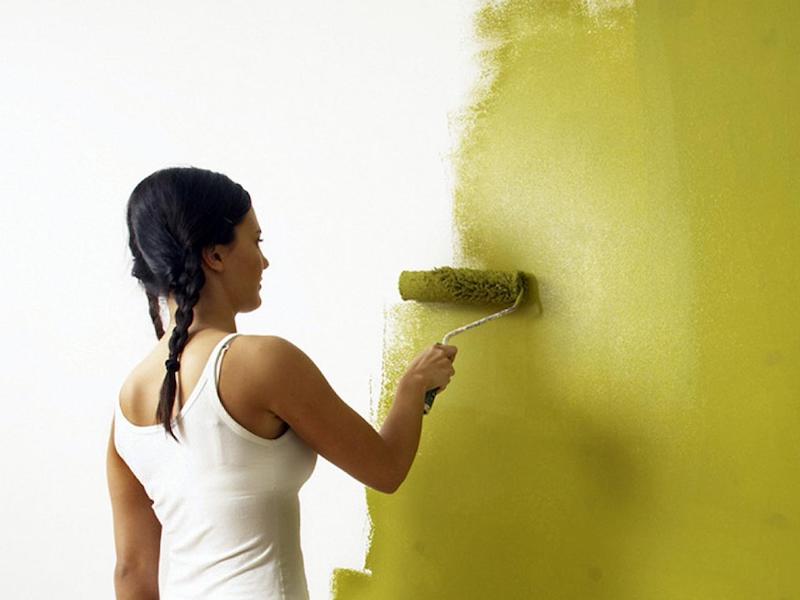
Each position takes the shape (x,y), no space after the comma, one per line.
(187,293)
(155,314)
(147,278)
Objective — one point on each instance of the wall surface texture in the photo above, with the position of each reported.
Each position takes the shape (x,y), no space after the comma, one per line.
(639,436)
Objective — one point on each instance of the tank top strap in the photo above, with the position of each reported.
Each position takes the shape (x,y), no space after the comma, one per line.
(223,345)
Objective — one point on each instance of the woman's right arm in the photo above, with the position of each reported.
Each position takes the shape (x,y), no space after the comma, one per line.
(294,389)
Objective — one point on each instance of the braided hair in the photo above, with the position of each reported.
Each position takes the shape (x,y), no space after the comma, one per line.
(172,215)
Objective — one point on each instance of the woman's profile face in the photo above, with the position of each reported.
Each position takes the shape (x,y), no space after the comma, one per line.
(246,262)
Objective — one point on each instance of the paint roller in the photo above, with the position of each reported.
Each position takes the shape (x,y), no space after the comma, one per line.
(463,286)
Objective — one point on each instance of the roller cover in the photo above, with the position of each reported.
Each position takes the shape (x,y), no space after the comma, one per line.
(471,286)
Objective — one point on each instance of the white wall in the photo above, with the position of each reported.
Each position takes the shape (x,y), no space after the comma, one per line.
(337,117)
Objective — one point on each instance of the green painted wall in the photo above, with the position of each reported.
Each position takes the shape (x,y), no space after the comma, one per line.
(639,438)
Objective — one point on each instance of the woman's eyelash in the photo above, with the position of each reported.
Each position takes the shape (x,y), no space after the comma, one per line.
(260,240)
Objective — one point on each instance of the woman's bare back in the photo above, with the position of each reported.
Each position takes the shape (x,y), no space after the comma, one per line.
(140,393)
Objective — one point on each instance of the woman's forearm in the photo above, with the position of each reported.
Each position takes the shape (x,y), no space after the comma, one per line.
(403,425)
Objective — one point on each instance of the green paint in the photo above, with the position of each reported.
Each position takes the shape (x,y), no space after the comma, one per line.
(639,439)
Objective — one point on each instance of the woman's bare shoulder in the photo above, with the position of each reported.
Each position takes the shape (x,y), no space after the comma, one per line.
(269,359)
(257,350)
(260,353)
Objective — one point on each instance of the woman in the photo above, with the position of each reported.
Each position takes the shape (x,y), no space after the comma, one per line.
(213,452)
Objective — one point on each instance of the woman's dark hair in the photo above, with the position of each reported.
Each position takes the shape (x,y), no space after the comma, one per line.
(172,215)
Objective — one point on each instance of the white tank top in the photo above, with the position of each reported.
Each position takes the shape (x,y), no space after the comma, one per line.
(226,498)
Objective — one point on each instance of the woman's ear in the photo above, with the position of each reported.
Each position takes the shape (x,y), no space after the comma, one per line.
(212,257)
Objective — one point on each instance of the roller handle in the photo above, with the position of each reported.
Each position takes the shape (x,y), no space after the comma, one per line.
(429,396)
